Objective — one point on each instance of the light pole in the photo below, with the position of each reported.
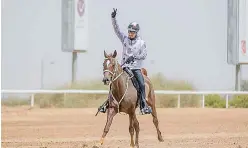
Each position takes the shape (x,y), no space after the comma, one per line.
(42,72)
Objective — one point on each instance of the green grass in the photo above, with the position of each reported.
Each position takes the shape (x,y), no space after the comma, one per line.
(160,82)
(239,101)
(215,101)
(15,101)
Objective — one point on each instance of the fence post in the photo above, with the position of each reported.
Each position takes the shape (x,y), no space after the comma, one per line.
(32,101)
(203,101)
(178,101)
(227,98)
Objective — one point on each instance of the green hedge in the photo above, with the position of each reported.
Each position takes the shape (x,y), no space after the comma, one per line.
(215,101)
(239,101)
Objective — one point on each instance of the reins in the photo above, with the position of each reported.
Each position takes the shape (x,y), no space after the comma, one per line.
(114,79)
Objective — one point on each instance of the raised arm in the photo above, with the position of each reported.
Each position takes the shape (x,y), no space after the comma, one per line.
(119,34)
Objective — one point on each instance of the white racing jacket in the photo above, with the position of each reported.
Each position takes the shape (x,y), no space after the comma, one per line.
(136,48)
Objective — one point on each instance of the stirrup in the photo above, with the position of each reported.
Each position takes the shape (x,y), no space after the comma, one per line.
(103,109)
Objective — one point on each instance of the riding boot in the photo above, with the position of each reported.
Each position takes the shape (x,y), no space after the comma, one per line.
(145,109)
(103,108)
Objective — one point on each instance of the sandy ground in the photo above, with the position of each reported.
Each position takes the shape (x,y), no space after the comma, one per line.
(79,128)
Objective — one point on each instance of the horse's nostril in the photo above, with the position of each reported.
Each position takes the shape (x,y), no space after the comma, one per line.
(105,80)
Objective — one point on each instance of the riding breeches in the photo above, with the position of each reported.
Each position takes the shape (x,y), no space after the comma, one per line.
(140,79)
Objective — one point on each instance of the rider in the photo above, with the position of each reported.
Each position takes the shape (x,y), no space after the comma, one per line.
(134,52)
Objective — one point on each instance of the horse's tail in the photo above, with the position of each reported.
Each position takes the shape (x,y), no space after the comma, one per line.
(144,71)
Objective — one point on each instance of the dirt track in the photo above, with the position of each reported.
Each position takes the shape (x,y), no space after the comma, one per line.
(79,128)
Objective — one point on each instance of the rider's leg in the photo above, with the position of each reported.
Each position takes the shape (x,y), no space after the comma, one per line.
(128,70)
(143,105)
(130,73)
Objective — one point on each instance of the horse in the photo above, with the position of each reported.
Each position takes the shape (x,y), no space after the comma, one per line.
(124,98)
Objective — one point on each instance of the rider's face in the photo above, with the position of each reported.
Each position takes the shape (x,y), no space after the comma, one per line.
(131,34)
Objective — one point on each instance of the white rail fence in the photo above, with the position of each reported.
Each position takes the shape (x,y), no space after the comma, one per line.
(163,92)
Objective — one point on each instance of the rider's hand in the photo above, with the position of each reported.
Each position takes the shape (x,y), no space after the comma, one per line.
(130,59)
(113,14)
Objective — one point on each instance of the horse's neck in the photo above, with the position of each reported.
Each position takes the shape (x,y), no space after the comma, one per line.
(119,85)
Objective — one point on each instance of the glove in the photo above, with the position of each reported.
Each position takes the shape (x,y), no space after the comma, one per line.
(113,14)
(130,59)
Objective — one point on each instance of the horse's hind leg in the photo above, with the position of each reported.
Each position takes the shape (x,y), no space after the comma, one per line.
(155,122)
(110,115)
(154,116)
(131,128)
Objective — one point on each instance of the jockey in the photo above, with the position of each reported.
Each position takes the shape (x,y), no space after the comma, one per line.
(134,53)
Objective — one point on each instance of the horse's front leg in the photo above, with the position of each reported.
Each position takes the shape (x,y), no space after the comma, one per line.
(110,115)
(137,130)
(131,129)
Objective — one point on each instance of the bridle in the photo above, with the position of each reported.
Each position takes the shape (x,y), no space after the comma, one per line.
(113,73)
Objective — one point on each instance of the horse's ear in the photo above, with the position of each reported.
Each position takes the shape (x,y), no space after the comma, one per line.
(115,54)
(105,54)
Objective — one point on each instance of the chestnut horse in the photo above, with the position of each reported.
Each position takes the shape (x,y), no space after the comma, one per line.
(125,97)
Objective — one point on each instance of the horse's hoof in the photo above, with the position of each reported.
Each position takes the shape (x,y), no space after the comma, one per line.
(97,145)
(160,139)
(101,141)
(132,145)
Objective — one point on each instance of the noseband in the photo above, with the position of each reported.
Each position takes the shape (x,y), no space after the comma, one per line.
(114,72)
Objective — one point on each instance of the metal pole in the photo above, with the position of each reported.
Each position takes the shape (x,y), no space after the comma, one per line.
(203,101)
(227,101)
(238,78)
(42,70)
(74,67)
(42,74)
(178,101)
(32,101)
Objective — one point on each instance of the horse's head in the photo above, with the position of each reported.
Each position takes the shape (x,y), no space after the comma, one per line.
(110,67)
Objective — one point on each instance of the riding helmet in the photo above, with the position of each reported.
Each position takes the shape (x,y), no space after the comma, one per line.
(134,27)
